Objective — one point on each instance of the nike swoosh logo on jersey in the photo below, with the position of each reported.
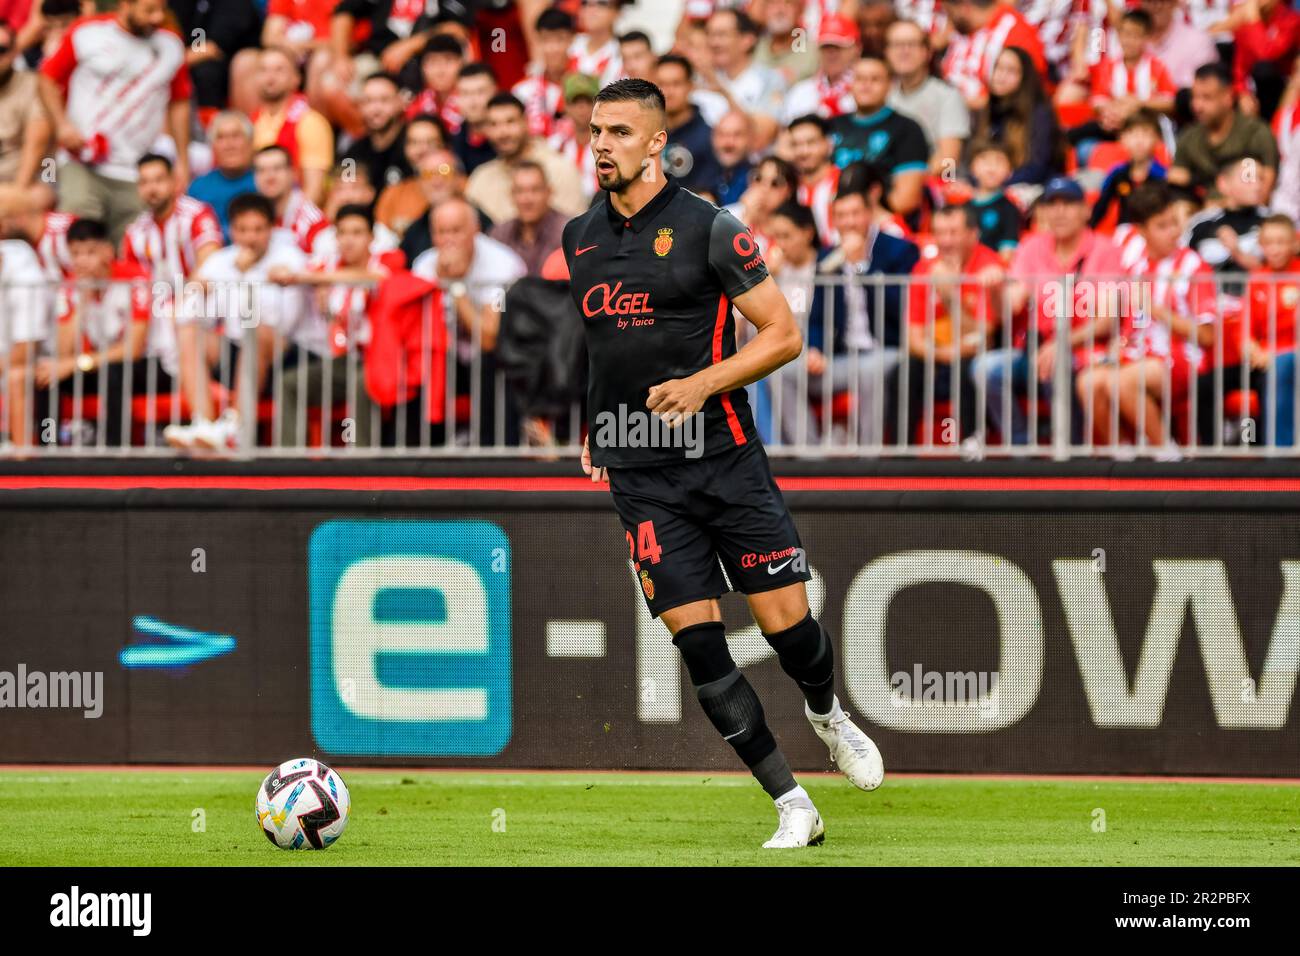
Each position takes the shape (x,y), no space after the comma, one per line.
(773,568)
(578,252)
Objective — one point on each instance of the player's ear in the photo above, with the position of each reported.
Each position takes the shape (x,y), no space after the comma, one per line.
(658,142)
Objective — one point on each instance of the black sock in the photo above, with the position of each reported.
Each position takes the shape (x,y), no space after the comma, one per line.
(732,706)
(805,654)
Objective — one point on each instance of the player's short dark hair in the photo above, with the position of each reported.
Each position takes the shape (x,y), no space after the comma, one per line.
(554,20)
(859,178)
(148,158)
(274,148)
(969,214)
(477,68)
(505,99)
(1139,17)
(1148,201)
(797,213)
(635,36)
(812,119)
(250,202)
(1213,71)
(1142,116)
(355,209)
(444,43)
(676,59)
(633,91)
(88,230)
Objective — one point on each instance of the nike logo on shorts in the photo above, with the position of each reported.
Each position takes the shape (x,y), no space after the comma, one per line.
(578,252)
(773,568)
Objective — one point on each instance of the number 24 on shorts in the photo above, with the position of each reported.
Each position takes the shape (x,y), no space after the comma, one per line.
(645,542)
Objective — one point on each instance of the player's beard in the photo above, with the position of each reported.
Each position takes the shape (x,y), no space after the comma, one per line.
(620,182)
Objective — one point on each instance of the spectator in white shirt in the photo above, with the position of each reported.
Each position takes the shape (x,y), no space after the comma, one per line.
(235,291)
(109,89)
(473,271)
(730,70)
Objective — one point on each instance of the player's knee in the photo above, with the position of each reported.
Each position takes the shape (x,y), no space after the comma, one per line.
(704,651)
(802,645)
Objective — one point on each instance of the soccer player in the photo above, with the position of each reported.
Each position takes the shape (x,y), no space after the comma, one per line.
(656,271)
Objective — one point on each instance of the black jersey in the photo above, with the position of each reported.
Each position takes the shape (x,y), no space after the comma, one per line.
(655,295)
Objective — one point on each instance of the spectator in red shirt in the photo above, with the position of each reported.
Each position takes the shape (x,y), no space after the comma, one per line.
(1065,247)
(1122,84)
(949,322)
(1163,329)
(1267,39)
(1270,345)
(103,327)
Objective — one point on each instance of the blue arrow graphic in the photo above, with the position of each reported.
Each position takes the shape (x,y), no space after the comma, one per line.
(173,645)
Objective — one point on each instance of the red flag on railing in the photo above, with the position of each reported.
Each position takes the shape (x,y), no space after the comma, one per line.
(396,336)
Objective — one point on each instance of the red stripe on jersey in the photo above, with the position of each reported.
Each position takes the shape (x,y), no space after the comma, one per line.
(724,306)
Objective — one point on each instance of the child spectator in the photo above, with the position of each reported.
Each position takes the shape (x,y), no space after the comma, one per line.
(1162,332)
(440,66)
(1126,80)
(1271,302)
(1139,137)
(105,334)
(1227,236)
(997,217)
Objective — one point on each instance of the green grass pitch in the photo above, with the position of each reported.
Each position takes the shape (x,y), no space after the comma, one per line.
(68,817)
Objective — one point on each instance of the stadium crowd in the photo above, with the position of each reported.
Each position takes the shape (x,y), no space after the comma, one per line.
(350,160)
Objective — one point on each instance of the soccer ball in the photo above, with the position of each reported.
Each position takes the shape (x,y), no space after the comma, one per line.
(303,805)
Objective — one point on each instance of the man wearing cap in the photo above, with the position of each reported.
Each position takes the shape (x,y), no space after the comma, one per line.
(918,94)
(1065,256)
(827,94)
(572,136)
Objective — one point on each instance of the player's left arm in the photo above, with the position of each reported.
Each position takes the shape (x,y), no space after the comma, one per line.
(777,342)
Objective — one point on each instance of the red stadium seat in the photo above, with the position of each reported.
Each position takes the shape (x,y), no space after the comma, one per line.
(1241,403)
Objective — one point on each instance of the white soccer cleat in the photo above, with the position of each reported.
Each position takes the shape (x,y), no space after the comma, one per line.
(851,750)
(798,825)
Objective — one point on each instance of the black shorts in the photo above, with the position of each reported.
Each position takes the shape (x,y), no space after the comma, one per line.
(686,523)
